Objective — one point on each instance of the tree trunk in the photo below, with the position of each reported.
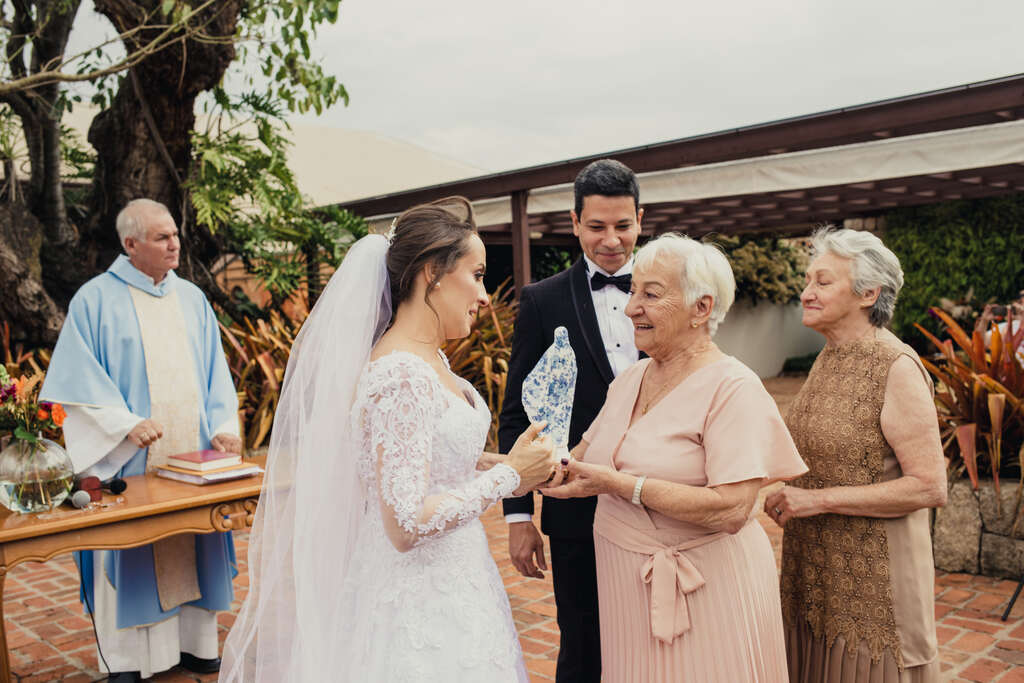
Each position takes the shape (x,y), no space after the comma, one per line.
(48,47)
(143,140)
(36,236)
(25,302)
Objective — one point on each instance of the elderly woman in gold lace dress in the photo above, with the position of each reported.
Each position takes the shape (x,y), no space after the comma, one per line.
(857,574)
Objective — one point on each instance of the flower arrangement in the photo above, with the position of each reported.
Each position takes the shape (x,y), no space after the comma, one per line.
(35,473)
(21,411)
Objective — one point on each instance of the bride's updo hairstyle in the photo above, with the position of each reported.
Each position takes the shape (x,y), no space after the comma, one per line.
(435,234)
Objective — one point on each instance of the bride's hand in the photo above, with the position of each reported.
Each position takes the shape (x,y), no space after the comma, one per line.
(488,460)
(559,475)
(532,458)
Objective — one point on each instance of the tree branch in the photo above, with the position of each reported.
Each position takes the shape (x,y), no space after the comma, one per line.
(158,139)
(170,35)
(23,28)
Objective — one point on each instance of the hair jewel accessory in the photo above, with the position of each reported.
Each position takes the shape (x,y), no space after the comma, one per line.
(390,234)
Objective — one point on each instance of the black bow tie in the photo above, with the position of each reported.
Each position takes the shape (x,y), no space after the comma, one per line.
(600,281)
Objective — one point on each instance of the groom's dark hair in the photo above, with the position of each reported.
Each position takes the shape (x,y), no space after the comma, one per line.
(433,234)
(608,178)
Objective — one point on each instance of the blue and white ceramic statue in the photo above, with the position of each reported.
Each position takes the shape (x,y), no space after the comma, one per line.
(549,389)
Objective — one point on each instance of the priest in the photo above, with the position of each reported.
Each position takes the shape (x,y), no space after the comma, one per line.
(140,369)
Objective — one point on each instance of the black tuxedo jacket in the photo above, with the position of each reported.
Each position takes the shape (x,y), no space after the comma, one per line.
(562,300)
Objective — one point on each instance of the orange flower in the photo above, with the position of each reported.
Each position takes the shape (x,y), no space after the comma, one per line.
(58,414)
(42,414)
(25,386)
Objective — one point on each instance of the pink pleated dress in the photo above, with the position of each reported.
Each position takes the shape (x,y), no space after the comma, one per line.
(681,602)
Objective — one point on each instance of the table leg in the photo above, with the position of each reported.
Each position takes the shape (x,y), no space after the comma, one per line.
(5,664)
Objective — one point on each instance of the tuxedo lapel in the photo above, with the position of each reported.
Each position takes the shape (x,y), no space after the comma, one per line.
(583,304)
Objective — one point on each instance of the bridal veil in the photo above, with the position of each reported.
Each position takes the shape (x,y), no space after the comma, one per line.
(304,531)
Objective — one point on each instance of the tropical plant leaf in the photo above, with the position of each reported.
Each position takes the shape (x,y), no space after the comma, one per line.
(966,437)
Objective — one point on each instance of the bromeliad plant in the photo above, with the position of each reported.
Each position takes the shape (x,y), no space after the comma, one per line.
(980,400)
(257,352)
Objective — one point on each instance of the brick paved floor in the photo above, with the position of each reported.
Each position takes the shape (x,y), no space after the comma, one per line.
(51,640)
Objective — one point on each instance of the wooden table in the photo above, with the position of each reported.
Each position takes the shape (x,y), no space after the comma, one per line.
(153,508)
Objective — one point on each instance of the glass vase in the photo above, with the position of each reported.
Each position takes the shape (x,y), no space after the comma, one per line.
(34,476)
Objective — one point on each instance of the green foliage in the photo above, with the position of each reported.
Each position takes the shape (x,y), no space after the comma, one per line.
(241,188)
(8,133)
(240,184)
(79,160)
(276,35)
(546,261)
(766,268)
(953,248)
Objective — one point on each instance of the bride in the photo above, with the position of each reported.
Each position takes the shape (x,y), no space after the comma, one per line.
(367,558)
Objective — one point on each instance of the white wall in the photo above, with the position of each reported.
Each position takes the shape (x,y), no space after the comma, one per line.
(765,335)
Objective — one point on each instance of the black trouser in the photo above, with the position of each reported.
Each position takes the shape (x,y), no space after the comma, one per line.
(574,575)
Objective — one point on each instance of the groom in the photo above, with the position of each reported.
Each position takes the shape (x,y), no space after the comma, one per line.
(589,300)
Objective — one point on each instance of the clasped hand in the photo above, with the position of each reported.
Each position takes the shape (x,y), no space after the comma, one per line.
(579,480)
(532,456)
(147,432)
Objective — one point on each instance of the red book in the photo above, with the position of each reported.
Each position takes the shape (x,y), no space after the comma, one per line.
(201,461)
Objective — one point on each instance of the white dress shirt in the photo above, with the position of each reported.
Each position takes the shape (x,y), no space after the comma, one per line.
(610,309)
(616,333)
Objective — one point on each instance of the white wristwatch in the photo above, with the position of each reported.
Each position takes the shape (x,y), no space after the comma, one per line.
(637,489)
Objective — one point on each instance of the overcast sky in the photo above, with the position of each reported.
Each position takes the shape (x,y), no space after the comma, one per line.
(503,85)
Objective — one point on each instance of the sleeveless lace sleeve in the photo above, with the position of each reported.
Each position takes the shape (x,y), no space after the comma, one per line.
(405,406)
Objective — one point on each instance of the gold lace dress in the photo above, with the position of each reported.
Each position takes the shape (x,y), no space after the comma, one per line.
(857,592)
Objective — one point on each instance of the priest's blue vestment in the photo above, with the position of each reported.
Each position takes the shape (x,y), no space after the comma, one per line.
(99,363)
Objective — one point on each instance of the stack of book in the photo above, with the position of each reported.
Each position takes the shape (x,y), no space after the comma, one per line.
(206,467)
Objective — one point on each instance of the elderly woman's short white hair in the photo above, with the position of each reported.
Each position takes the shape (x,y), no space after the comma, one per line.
(703,271)
(131,221)
(872,264)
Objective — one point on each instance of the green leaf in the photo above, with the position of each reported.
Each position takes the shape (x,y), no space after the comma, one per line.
(22,434)
(166,7)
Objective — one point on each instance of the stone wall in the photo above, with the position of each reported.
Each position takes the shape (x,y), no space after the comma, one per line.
(972,533)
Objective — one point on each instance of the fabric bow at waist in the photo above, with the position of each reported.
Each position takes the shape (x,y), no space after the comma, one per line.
(669,572)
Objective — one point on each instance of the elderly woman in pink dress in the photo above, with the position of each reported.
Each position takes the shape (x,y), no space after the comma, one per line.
(687,583)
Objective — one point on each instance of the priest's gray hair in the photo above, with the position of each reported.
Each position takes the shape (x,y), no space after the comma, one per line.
(703,271)
(131,219)
(872,265)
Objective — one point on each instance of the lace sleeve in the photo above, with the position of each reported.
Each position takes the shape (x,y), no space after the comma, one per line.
(406,406)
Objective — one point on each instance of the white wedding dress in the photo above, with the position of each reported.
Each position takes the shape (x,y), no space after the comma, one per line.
(439,611)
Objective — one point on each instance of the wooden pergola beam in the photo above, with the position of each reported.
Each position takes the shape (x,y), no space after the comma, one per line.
(520,228)
(947,109)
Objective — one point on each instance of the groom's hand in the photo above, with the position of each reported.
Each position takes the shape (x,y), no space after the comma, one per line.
(526,549)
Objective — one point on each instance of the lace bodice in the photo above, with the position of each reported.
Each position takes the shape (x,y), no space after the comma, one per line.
(419,447)
(835,568)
